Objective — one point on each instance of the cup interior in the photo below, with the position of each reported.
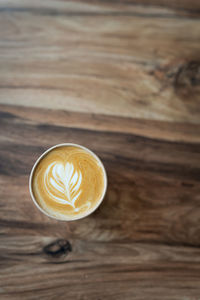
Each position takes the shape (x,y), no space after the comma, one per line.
(42,156)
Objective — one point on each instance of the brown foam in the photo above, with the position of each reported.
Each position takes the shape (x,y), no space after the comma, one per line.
(52,183)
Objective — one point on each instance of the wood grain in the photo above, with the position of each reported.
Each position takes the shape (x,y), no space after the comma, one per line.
(122,78)
(85,56)
(146,232)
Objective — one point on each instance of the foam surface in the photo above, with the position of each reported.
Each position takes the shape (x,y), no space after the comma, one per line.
(68,182)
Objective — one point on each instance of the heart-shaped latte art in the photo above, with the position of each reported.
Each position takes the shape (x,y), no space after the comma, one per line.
(62,183)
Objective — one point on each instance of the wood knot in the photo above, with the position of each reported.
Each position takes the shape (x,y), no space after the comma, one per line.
(187,78)
(58,248)
(188,74)
(184,77)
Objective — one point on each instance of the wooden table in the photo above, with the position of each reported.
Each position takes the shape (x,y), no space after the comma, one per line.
(122,78)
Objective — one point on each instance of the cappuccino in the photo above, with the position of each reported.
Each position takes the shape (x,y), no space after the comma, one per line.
(68,182)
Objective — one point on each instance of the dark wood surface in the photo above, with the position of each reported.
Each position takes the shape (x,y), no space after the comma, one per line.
(122,78)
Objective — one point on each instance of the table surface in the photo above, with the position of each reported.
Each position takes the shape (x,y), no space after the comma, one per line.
(122,78)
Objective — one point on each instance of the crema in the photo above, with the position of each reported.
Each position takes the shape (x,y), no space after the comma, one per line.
(68,182)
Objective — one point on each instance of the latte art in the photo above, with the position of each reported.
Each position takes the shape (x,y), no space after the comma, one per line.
(68,182)
(62,183)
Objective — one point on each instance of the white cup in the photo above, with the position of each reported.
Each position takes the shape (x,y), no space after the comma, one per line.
(35,165)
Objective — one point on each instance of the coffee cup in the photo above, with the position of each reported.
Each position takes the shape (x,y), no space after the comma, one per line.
(68,182)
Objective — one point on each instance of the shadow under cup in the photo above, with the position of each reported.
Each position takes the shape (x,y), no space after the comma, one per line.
(68,182)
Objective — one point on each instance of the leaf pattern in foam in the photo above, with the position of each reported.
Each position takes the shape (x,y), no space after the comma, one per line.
(64,180)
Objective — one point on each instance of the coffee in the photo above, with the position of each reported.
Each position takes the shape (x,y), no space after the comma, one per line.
(68,182)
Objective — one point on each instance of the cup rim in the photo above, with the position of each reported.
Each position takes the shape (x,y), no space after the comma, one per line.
(39,159)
